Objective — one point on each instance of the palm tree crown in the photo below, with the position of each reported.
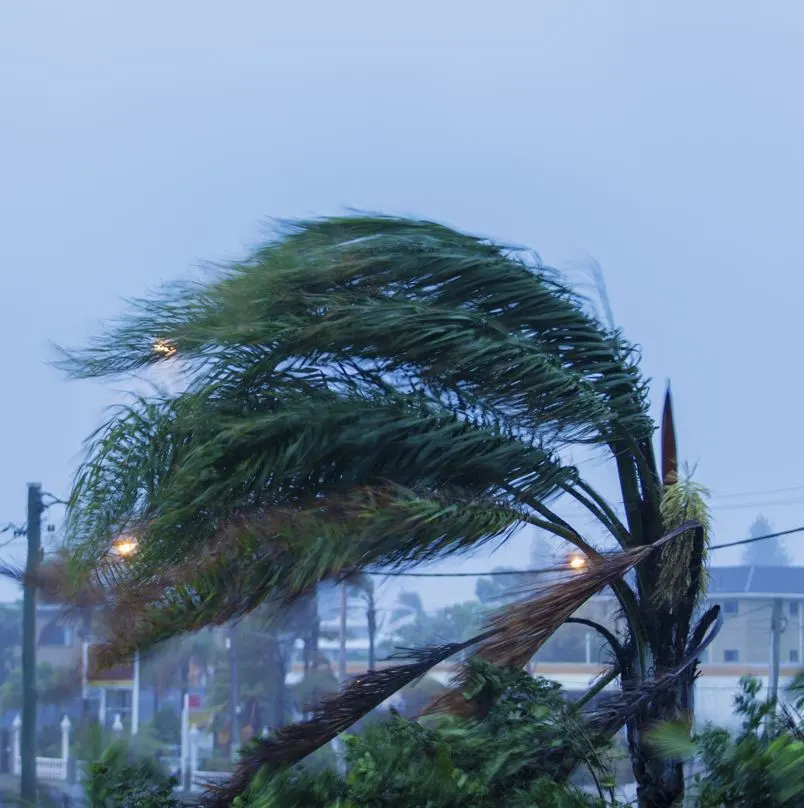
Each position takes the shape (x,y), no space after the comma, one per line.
(364,393)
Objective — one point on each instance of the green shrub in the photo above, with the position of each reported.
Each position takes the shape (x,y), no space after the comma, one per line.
(122,780)
(762,766)
(499,759)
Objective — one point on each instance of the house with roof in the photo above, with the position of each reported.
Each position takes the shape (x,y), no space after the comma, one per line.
(746,595)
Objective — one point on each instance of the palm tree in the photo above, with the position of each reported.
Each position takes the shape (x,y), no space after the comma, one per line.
(370,393)
(362,586)
(408,605)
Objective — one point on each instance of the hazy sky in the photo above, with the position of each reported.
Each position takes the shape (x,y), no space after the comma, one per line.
(665,140)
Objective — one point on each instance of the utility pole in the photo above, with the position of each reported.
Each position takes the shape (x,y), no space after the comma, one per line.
(235,695)
(775,650)
(135,696)
(28,739)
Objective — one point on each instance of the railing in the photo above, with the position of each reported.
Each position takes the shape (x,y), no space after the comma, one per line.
(46,768)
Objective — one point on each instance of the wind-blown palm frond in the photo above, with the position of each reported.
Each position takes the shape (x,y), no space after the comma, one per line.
(406,297)
(417,357)
(279,555)
(428,379)
(128,461)
(335,714)
(294,449)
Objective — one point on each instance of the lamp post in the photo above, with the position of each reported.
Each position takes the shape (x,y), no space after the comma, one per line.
(235,689)
(126,547)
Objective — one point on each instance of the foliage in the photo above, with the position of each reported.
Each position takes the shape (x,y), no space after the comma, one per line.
(317,683)
(166,726)
(10,640)
(683,500)
(120,780)
(55,686)
(762,767)
(771,552)
(370,392)
(503,758)
(456,623)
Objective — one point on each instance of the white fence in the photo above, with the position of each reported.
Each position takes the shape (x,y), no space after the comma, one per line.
(46,768)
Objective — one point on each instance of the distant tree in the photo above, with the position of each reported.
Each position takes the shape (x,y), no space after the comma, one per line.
(454,623)
(55,687)
(501,587)
(10,638)
(767,553)
(171,663)
(408,605)
(362,586)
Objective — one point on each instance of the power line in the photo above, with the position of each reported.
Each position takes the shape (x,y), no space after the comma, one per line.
(776,535)
(565,567)
(745,506)
(792,488)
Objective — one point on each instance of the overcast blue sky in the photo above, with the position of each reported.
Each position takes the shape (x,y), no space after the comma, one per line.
(140,139)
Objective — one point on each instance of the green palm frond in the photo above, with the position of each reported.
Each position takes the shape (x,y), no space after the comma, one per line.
(350,352)
(399,298)
(281,555)
(299,447)
(362,392)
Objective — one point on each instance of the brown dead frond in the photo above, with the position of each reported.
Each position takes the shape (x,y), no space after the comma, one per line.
(335,714)
(519,630)
(508,640)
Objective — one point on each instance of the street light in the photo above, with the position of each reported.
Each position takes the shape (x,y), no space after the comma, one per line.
(577,562)
(125,546)
(163,347)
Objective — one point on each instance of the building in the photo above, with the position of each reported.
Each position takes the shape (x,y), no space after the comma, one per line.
(747,595)
(57,642)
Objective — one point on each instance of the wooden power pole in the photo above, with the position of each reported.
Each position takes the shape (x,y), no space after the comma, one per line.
(776,636)
(28,739)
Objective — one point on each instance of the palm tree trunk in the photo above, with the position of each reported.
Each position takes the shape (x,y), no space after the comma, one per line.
(660,782)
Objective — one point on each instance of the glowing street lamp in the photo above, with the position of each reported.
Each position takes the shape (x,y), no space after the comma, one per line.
(126,546)
(577,562)
(164,347)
